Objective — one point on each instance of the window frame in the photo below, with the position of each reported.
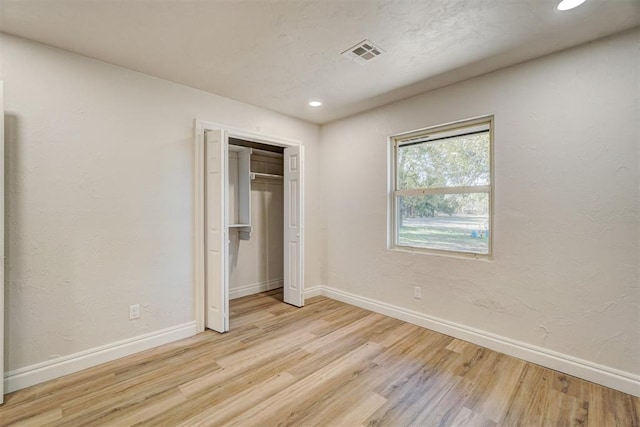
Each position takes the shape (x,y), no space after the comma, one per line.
(394,141)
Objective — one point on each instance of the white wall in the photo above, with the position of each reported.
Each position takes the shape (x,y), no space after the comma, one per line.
(100,198)
(567,235)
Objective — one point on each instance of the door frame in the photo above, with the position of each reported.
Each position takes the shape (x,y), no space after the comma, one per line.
(2,236)
(199,201)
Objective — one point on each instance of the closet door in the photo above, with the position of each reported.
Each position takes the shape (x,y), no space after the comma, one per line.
(294,226)
(216,275)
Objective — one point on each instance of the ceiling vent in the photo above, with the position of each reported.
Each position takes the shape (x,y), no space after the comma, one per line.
(364,52)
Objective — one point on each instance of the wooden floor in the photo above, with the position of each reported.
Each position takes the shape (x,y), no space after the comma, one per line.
(327,364)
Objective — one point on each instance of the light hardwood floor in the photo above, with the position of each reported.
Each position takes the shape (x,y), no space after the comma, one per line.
(327,364)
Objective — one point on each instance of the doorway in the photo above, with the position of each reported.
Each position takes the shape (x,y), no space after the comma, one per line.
(256,218)
(224,176)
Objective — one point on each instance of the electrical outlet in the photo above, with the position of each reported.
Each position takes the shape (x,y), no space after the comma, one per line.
(134,311)
(417,292)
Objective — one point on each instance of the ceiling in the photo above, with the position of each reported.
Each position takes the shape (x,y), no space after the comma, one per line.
(280,54)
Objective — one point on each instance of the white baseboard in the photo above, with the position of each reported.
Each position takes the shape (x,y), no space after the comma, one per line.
(40,372)
(600,374)
(254,288)
(313,291)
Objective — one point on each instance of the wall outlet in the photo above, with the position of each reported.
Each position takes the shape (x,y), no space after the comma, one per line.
(134,311)
(417,292)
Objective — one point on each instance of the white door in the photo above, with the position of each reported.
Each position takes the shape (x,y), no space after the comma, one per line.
(1,242)
(294,226)
(217,289)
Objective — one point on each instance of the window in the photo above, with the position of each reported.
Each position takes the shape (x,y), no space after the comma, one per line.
(441,188)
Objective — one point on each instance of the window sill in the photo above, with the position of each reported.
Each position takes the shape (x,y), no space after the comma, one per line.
(446,254)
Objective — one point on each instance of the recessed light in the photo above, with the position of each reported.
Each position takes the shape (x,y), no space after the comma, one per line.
(315,103)
(569,4)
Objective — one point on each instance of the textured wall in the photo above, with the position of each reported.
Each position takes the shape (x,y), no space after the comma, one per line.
(99,187)
(567,209)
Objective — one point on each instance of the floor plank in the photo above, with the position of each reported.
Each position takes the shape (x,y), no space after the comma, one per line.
(327,364)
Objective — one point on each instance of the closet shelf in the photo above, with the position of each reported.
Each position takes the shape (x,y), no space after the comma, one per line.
(254,175)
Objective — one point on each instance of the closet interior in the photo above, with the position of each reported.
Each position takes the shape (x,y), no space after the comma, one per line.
(255,217)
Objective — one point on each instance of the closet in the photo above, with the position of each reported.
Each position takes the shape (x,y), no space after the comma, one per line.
(253,220)
(255,214)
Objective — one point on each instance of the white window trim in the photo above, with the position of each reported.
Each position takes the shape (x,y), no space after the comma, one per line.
(392,230)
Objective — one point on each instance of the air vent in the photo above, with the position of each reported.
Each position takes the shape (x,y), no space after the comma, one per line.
(364,52)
